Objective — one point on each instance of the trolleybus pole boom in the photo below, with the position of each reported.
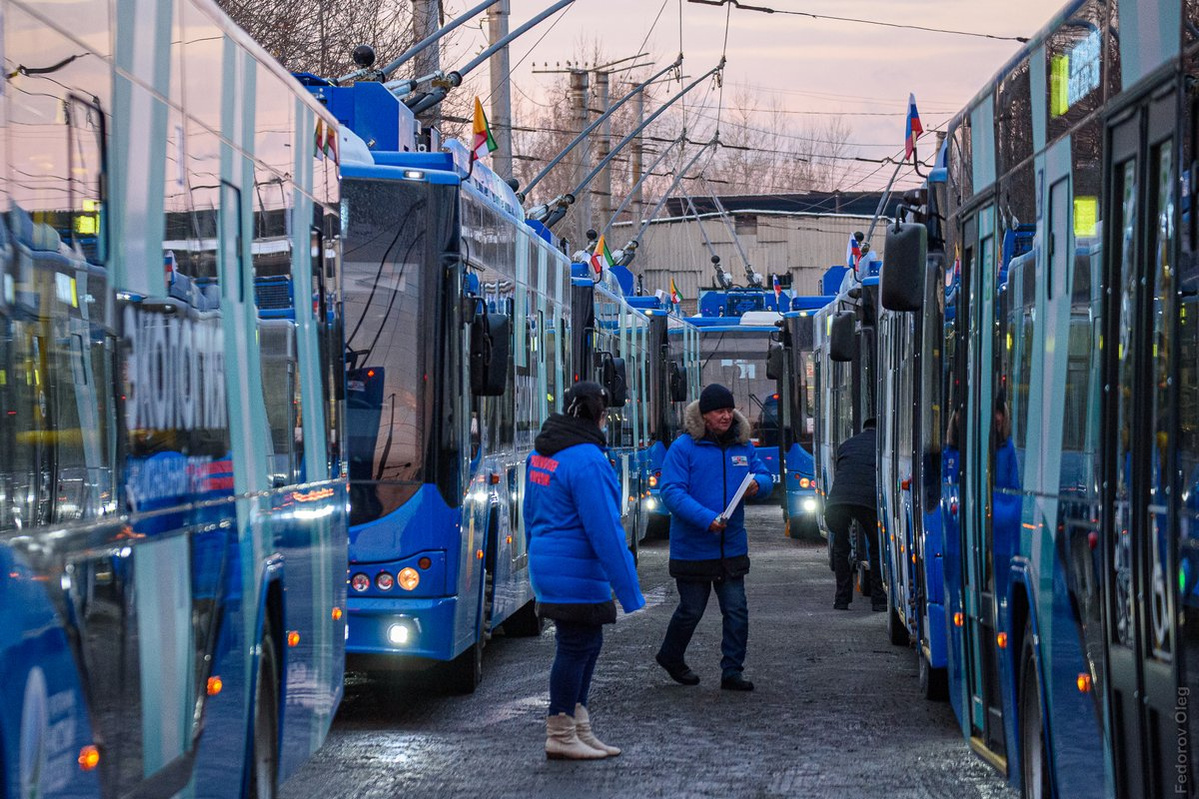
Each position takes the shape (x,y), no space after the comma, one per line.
(755,280)
(562,203)
(598,121)
(633,191)
(636,240)
(454,78)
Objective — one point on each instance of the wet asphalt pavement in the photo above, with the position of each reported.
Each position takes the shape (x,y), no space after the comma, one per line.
(836,712)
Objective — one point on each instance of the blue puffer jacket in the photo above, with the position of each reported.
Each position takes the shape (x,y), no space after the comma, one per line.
(699,477)
(577,551)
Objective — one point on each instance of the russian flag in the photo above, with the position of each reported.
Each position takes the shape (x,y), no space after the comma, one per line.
(853,253)
(778,290)
(914,128)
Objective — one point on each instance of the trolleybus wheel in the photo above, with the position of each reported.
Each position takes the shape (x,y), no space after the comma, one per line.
(465,672)
(1034,761)
(934,683)
(264,766)
(897,631)
(657,527)
(524,623)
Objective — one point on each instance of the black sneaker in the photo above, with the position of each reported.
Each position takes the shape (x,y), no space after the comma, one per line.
(682,673)
(840,606)
(736,683)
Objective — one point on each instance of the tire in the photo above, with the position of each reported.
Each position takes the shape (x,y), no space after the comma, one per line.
(657,527)
(264,760)
(934,683)
(896,630)
(524,623)
(465,672)
(1034,757)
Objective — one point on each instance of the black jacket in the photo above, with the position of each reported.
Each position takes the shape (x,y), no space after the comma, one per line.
(856,481)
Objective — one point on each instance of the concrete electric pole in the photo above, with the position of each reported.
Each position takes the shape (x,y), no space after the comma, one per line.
(501,91)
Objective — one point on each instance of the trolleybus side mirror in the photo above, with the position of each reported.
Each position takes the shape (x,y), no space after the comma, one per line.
(678,382)
(490,354)
(843,339)
(775,353)
(612,372)
(902,278)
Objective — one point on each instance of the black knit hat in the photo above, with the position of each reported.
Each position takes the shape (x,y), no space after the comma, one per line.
(715,397)
(586,400)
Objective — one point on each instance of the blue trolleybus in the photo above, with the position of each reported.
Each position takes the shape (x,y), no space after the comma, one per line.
(463,329)
(791,412)
(172,497)
(1041,321)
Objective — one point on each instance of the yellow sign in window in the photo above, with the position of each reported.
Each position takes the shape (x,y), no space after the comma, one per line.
(1086,217)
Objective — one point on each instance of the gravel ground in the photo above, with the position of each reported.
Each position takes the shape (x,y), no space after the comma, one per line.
(835,714)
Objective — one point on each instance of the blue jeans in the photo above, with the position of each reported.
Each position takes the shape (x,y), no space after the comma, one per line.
(570,678)
(693,599)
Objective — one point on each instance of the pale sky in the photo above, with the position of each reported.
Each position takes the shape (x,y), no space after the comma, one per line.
(803,64)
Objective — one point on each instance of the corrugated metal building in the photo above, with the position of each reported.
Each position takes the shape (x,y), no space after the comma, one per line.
(794,235)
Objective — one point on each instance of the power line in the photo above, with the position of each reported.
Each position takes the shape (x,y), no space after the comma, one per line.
(856,21)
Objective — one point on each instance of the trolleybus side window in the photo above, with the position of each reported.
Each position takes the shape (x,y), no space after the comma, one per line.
(1124,198)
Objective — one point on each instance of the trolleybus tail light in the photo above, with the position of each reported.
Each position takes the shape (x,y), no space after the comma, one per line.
(408,578)
(804,482)
(1084,683)
(89,758)
(958,620)
(1001,640)
(360,582)
(495,478)
(424,563)
(215,685)
(653,479)
(384,581)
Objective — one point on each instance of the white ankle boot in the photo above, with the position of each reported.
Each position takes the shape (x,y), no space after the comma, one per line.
(562,742)
(583,730)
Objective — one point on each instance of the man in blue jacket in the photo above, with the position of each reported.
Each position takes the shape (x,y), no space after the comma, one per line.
(703,469)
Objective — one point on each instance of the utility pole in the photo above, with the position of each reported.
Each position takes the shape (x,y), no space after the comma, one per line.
(425,22)
(605,143)
(637,155)
(580,82)
(501,91)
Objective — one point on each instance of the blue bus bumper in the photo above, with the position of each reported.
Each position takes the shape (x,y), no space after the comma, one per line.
(408,628)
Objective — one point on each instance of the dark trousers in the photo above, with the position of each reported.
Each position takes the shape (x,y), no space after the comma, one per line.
(693,599)
(570,678)
(838,519)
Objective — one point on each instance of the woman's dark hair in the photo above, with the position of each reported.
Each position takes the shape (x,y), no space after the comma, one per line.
(586,400)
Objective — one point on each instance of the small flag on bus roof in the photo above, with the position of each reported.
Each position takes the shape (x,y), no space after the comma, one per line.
(914,128)
(675,297)
(778,290)
(853,252)
(484,142)
(601,257)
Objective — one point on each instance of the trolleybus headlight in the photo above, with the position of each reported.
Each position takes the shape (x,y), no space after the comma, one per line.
(398,634)
(384,581)
(360,582)
(408,578)
(653,481)
(809,505)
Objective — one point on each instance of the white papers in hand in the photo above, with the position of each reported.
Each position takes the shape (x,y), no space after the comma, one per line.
(737,497)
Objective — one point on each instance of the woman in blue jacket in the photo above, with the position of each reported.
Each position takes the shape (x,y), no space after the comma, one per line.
(577,558)
(703,469)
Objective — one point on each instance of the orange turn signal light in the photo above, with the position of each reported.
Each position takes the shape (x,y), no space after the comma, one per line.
(214,686)
(495,478)
(336,614)
(478,554)
(1084,683)
(293,638)
(89,757)
(1001,640)
(958,620)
